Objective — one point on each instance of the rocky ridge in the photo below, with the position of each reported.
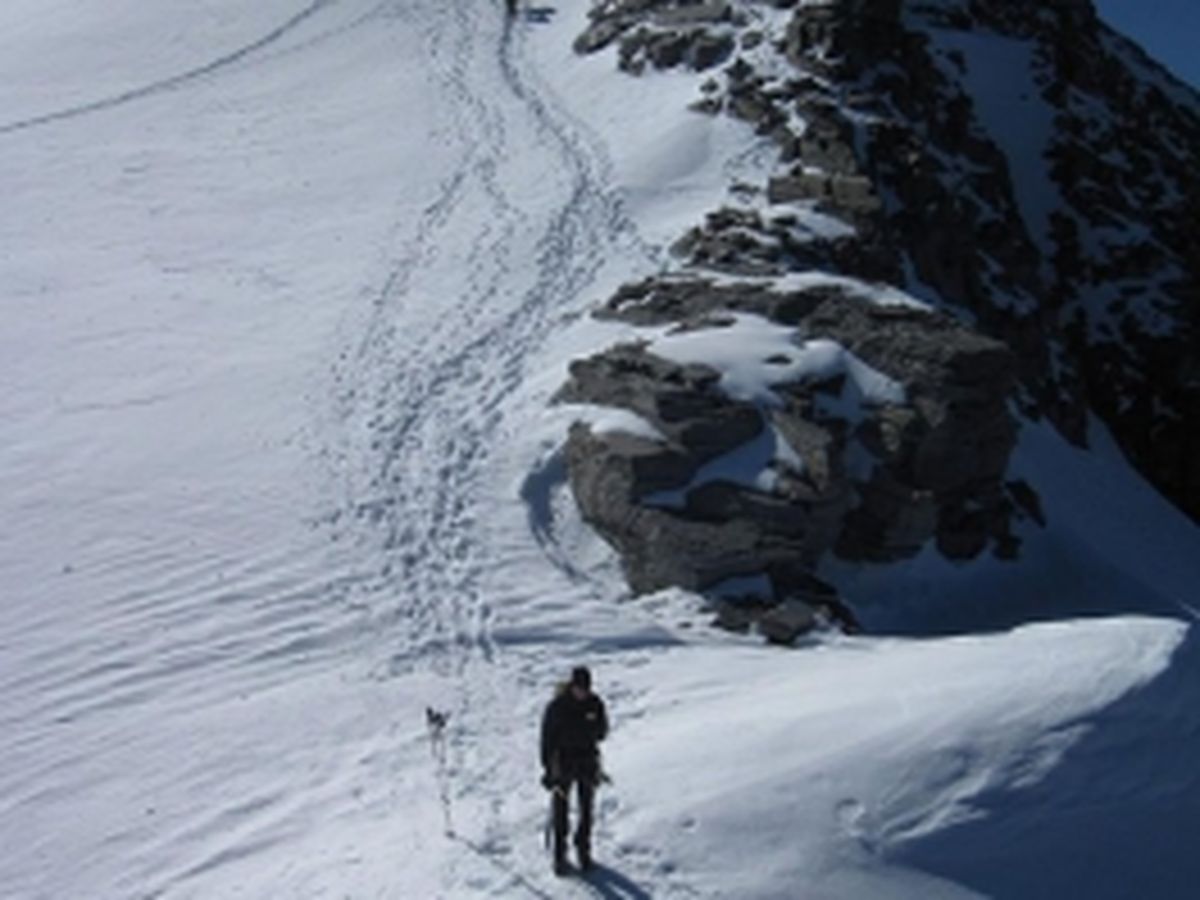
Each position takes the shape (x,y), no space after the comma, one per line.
(1061,262)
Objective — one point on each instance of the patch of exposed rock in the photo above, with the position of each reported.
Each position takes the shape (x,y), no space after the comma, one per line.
(893,168)
(881,123)
(661,35)
(873,484)
(1101,301)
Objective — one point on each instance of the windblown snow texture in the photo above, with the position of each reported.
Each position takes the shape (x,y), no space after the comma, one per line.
(287,287)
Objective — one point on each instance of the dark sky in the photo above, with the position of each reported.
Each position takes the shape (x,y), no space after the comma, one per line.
(1169,30)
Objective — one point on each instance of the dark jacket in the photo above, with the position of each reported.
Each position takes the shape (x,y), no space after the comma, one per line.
(571,729)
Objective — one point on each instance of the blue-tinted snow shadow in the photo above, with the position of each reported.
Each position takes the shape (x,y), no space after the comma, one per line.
(539,15)
(534,15)
(610,884)
(603,881)
(537,492)
(1057,578)
(1116,818)
(1110,546)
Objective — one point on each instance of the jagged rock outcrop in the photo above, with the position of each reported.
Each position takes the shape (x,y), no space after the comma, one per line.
(1071,236)
(1030,165)
(868,480)
(1024,168)
(661,35)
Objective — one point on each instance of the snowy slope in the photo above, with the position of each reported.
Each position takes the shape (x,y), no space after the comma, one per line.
(286,288)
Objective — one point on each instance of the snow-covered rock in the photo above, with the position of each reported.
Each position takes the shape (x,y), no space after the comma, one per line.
(897,160)
(791,424)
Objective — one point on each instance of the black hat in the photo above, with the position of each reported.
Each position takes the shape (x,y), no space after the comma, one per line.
(581,678)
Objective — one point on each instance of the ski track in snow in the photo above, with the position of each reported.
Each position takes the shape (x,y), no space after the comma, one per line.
(176,81)
(420,423)
(437,405)
(430,404)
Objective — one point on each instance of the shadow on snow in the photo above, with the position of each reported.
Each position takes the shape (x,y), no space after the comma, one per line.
(1115,818)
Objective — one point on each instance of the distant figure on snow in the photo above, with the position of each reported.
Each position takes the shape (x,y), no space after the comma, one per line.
(511,6)
(573,725)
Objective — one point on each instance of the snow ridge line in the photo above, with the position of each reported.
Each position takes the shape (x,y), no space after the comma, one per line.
(174,81)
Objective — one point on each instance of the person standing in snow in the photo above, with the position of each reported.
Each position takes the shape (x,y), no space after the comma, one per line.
(573,725)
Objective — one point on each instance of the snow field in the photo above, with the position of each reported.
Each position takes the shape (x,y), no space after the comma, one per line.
(287,289)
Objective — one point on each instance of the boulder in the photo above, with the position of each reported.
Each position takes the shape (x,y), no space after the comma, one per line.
(692,13)
(928,468)
(783,623)
(707,49)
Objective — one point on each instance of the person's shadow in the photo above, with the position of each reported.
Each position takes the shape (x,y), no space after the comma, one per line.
(607,883)
(612,885)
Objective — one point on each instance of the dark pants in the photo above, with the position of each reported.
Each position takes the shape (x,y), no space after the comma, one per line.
(585,787)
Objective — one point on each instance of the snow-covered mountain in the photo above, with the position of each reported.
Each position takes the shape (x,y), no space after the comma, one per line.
(973,158)
(289,288)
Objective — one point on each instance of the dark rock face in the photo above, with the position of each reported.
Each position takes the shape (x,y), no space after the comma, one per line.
(1051,203)
(660,34)
(875,487)
(787,621)
(1101,302)
(682,401)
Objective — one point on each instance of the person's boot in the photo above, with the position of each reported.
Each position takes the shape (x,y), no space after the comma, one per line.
(583,853)
(561,866)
